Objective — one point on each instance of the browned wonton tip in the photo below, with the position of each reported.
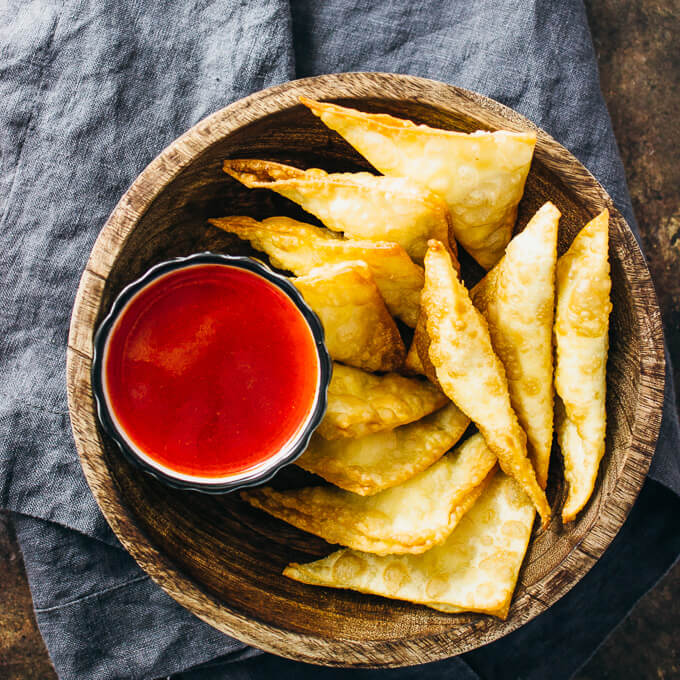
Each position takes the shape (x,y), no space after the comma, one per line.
(360,205)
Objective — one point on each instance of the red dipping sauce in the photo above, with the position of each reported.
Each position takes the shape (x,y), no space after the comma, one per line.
(209,371)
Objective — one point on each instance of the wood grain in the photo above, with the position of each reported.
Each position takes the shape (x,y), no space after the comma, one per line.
(222,559)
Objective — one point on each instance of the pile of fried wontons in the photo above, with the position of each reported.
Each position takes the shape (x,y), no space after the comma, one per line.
(422,521)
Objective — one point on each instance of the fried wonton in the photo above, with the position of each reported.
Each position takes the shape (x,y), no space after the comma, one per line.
(384,459)
(421,340)
(517,298)
(475,569)
(470,373)
(360,403)
(418,351)
(409,518)
(412,363)
(480,175)
(362,205)
(358,329)
(300,247)
(582,342)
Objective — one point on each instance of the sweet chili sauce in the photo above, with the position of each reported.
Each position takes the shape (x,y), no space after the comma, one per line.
(210,370)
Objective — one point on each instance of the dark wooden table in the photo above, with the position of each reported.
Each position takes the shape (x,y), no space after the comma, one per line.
(636,43)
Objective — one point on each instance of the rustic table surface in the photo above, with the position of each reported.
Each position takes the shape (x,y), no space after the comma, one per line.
(636,43)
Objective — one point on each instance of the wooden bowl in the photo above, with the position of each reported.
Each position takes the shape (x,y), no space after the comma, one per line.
(220,558)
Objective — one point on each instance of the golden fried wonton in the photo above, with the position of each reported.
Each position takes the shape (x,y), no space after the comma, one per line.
(517,298)
(421,340)
(418,351)
(299,247)
(384,459)
(582,342)
(412,363)
(358,329)
(362,205)
(470,373)
(480,175)
(409,518)
(475,569)
(360,403)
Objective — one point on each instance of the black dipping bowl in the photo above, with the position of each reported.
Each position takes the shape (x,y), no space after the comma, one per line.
(261,472)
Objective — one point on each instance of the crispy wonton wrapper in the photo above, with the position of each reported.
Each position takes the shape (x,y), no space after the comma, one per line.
(421,340)
(358,329)
(517,298)
(418,358)
(382,460)
(480,175)
(409,518)
(360,403)
(362,205)
(475,569)
(470,373)
(582,342)
(412,363)
(300,247)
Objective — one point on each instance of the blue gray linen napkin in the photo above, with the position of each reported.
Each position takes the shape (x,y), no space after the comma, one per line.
(90,92)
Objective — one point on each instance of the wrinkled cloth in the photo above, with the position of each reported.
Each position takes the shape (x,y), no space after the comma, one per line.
(90,92)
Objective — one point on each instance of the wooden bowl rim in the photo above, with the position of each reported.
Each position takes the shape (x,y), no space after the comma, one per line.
(344,652)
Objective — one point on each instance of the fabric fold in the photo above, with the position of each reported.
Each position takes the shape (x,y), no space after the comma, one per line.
(87,608)
(89,94)
(105,91)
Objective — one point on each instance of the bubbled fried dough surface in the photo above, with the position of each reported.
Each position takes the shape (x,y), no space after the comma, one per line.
(299,248)
(582,343)
(361,403)
(382,460)
(358,328)
(361,205)
(481,175)
(475,569)
(470,373)
(409,518)
(516,298)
